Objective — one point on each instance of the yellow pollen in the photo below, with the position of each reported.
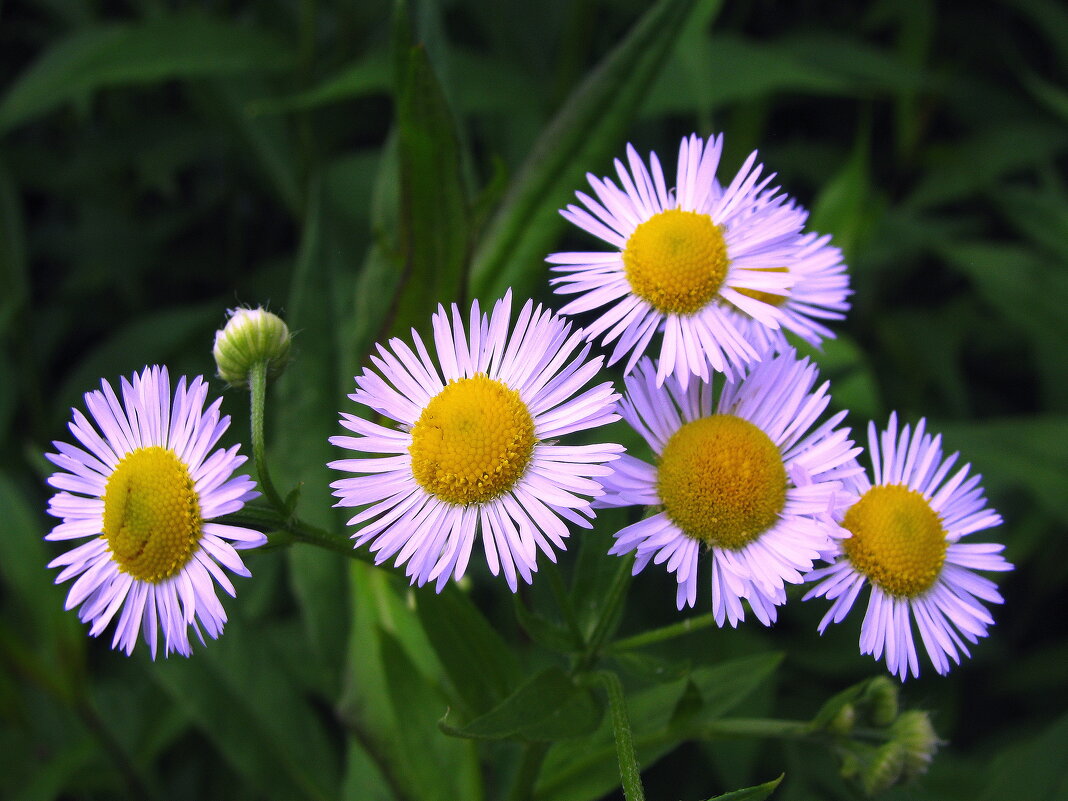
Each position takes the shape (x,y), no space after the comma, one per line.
(898,541)
(722,481)
(473,441)
(766,297)
(151,514)
(677,261)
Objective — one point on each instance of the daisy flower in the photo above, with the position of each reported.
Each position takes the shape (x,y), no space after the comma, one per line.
(819,292)
(144,487)
(748,481)
(906,528)
(687,261)
(475,446)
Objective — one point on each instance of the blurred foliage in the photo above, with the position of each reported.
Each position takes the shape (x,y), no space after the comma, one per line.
(350,165)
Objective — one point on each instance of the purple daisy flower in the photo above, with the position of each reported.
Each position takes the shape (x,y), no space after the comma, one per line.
(144,487)
(819,292)
(906,528)
(686,261)
(475,448)
(750,480)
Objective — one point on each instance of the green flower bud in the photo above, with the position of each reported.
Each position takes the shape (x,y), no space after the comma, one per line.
(881,696)
(844,720)
(249,337)
(885,768)
(913,730)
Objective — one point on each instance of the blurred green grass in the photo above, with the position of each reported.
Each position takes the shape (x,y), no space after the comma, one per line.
(159,164)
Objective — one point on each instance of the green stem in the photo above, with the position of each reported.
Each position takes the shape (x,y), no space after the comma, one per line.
(755,727)
(258,400)
(629,772)
(527,773)
(664,633)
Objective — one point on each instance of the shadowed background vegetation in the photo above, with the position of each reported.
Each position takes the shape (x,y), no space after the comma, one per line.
(161,162)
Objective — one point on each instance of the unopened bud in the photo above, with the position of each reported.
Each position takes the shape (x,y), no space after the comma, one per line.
(913,730)
(844,720)
(882,697)
(249,337)
(885,768)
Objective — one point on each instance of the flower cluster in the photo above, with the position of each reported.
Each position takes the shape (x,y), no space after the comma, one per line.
(466,438)
(716,272)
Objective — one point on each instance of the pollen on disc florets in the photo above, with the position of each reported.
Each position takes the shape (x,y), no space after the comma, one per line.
(473,441)
(677,261)
(898,540)
(722,481)
(152,519)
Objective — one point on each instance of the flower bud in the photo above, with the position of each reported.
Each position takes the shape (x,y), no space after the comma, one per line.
(882,698)
(249,337)
(885,768)
(913,730)
(844,720)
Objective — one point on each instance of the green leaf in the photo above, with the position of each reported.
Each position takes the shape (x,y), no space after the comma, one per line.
(1029,289)
(362,778)
(599,583)
(757,793)
(368,76)
(13,266)
(1036,764)
(264,143)
(586,131)
(853,383)
(242,699)
(434,219)
(303,407)
(652,668)
(435,767)
(577,772)
(980,162)
(543,631)
(176,46)
(478,662)
(1017,452)
(844,206)
(548,706)
(745,70)
(379,606)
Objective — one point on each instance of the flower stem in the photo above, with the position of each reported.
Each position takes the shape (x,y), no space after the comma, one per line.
(629,772)
(665,633)
(258,400)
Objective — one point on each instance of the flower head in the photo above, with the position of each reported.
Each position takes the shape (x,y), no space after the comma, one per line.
(819,292)
(250,336)
(906,528)
(690,261)
(144,487)
(750,480)
(475,449)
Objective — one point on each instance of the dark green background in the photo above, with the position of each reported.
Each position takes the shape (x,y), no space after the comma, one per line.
(160,162)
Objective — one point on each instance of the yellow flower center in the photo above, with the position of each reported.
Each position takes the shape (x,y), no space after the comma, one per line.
(898,541)
(766,297)
(151,514)
(473,441)
(677,261)
(722,481)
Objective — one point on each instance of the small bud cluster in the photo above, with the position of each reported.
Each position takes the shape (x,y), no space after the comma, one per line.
(879,745)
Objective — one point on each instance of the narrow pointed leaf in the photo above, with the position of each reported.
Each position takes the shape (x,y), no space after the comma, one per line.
(588,129)
(177,46)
